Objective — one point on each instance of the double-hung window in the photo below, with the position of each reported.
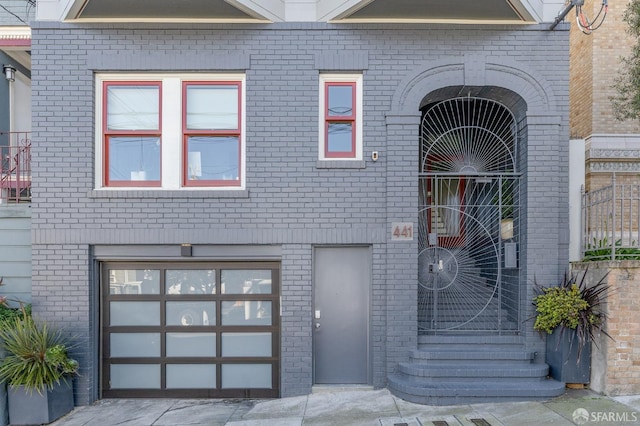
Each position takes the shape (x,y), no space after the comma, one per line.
(211,127)
(340,117)
(170,131)
(132,133)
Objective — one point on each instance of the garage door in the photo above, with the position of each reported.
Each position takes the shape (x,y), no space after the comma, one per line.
(190,329)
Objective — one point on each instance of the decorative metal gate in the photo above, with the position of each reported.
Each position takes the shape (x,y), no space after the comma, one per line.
(468,218)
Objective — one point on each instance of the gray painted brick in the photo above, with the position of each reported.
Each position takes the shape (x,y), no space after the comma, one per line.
(289,201)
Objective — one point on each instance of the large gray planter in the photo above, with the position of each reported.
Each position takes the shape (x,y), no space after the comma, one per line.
(32,408)
(562,357)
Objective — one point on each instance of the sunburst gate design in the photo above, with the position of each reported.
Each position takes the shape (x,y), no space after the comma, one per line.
(468,211)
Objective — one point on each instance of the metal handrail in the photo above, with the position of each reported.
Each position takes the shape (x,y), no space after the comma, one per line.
(15,167)
(611,222)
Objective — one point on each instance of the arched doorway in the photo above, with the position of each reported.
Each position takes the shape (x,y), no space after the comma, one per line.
(469,217)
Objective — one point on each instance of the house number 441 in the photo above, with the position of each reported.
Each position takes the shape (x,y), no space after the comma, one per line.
(402,231)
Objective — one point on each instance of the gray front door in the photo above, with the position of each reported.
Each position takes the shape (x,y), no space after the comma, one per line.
(341,313)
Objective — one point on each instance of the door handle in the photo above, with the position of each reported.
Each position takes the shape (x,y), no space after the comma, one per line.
(317,325)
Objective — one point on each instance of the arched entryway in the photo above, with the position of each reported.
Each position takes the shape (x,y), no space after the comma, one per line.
(469,216)
(487,161)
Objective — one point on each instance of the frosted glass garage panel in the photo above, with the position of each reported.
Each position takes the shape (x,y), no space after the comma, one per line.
(246,344)
(134,281)
(134,313)
(246,376)
(135,345)
(191,313)
(246,312)
(190,281)
(135,376)
(191,376)
(191,344)
(246,281)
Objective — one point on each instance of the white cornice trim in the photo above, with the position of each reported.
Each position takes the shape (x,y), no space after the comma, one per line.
(329,10)
(173,20)
(434,21)
(270,10)
(15,33)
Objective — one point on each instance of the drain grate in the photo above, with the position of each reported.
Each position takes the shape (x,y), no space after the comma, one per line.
(480,422)
(440,423)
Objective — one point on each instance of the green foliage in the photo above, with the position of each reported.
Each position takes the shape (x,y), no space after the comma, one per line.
(9,314)
(572,305)
(559,306)
(36,355)
(626,104)
(601,250)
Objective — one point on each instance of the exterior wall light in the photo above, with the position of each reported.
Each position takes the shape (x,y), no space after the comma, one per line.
(9,72)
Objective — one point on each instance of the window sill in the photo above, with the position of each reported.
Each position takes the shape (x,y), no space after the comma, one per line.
(346,164)
(158,193)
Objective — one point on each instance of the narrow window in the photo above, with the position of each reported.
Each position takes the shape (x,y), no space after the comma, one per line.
(340,117)
(212,133)
(132,126)
(340,120)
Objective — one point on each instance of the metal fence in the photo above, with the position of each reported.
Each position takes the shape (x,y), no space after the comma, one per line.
(15,167)
(610,219)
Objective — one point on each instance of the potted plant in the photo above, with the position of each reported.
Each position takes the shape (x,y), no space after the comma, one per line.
(571,315)
(37,370)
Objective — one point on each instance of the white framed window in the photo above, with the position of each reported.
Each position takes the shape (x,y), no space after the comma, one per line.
(170,131)
(340,118)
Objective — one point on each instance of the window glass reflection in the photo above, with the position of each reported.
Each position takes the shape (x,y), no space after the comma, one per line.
(246,281)
(255,312)
(191,281)
(191,313)
(134,281)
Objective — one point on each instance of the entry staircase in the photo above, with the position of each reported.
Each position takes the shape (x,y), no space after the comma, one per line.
(456,369)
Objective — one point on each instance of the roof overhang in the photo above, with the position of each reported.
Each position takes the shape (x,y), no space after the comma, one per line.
(449,11)
(165,11)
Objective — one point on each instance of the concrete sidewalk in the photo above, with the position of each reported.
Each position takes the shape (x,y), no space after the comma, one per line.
(361,407)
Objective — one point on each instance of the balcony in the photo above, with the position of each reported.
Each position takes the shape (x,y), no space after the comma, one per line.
(15,168)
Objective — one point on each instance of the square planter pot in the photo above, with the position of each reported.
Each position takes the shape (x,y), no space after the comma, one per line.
(562,357)
(32,408)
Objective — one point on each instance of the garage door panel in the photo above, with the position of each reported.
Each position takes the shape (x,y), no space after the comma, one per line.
(200,329)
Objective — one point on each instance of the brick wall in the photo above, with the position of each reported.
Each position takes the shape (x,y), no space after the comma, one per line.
(615,366)
(595,62)
(289,201)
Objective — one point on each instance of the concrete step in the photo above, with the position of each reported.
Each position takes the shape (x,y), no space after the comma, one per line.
(460,340)
(465,392)
(456,369)
(474,370)
(443,353)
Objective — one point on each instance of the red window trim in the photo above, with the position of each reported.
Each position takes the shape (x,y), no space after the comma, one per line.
(186,133)
(352,119)
(106,134)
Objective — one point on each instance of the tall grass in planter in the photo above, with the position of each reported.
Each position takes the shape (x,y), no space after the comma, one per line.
(36,360)
(571,314)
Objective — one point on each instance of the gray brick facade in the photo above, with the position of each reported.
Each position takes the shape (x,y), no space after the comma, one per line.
(290,200)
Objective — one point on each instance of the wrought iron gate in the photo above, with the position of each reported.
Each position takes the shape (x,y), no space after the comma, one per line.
(468,218)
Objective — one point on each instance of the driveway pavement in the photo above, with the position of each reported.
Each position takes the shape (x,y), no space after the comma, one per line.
(359,407)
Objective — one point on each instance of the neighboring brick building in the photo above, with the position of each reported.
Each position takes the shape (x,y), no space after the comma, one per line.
(303,202)
(611,145)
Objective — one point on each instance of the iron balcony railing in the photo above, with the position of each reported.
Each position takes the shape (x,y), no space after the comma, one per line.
(610,219)
(15,167)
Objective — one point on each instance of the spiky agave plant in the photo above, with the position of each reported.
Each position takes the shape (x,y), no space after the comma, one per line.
(36,355)
(573,305)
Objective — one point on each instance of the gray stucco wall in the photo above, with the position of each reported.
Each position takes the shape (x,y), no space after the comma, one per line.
(289,201)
